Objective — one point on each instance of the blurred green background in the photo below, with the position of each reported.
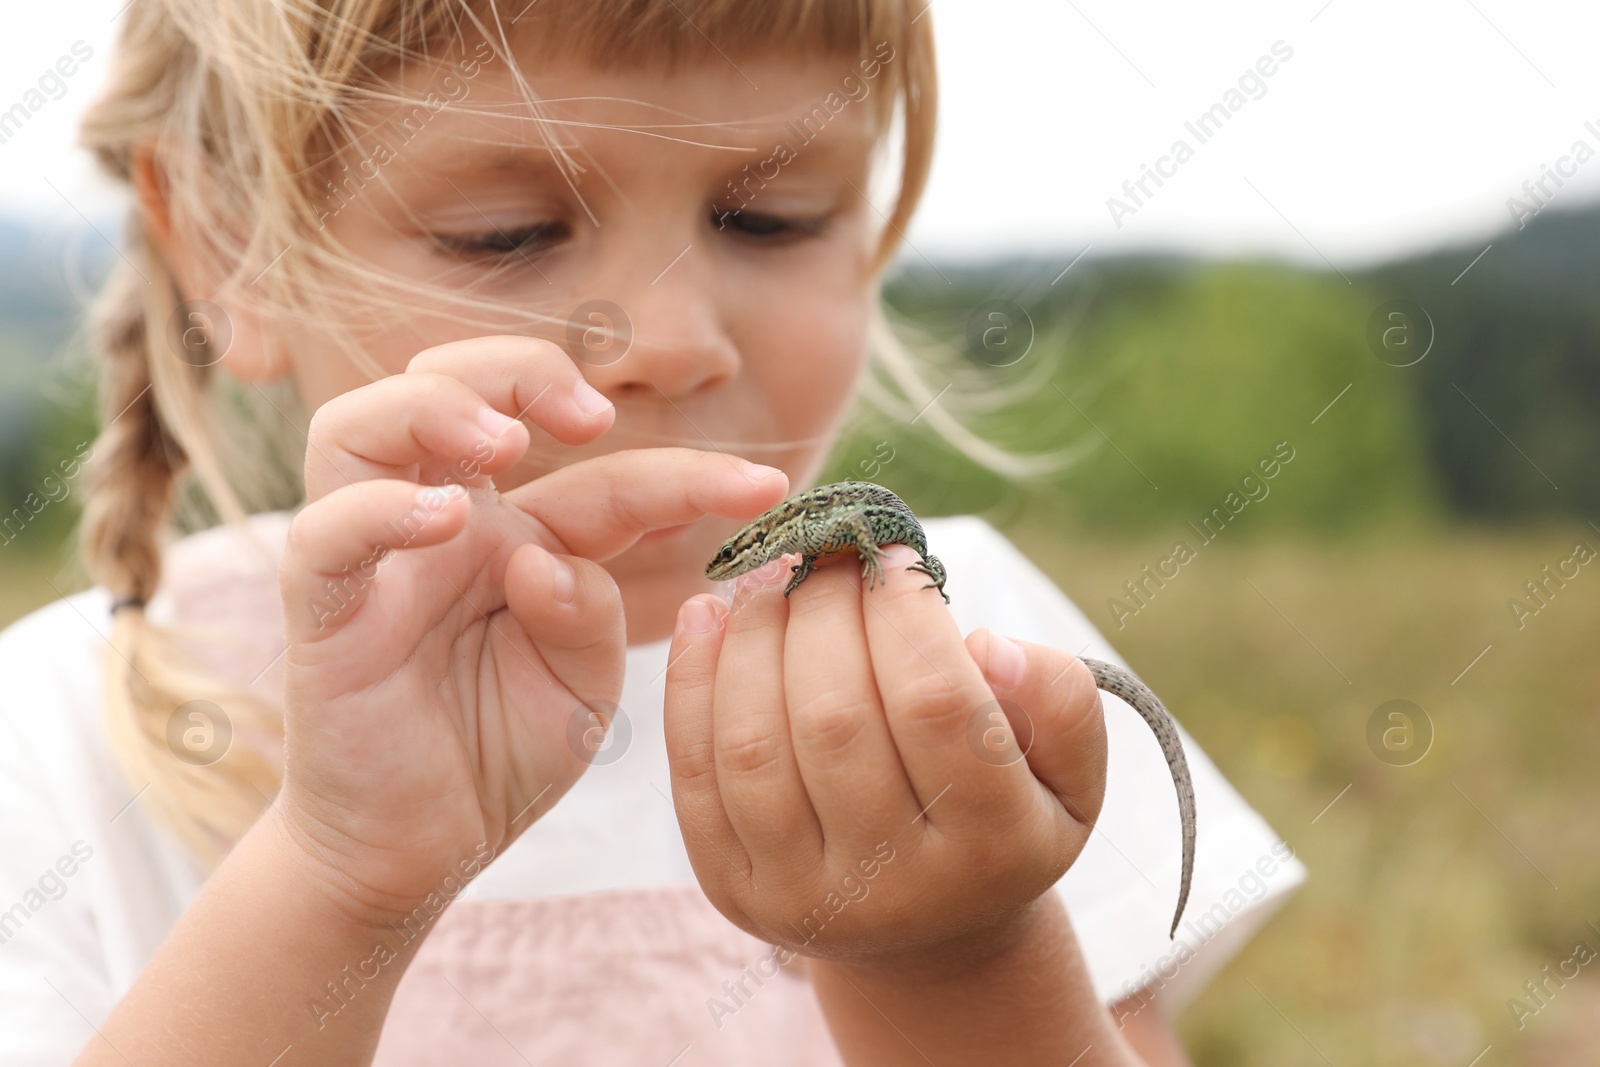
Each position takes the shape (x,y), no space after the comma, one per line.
(1378,565)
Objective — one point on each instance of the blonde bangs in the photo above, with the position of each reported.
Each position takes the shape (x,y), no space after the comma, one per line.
(671,33)
(642,31)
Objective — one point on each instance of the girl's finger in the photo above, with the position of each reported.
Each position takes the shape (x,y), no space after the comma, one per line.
(760,784)
(457,411)
(527,379)
(932,695)
(1054,709)
(336,545)
(571,609)
(846,755)
(719,859)
(599,507)
(395,426)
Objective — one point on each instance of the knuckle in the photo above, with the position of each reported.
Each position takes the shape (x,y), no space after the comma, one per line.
(300,532)
(540,349)
(429,360)
(755,607)
(477,351)
(825,590)
(622,512)
(749,749)
(721,882)
(692,761)
(323,422)
(427,390)
(931,701)
(1076,704)
(520,346)
(831,722)
(691,681)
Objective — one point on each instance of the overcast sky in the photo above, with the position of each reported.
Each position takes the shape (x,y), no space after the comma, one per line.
(1390,127)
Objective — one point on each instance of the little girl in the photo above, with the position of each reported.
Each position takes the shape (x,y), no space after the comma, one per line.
(464,760)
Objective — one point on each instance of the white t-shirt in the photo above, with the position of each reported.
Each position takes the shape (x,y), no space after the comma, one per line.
(90,883)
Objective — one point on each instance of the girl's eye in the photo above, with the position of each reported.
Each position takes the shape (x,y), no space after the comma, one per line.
(505,244)
(768,228)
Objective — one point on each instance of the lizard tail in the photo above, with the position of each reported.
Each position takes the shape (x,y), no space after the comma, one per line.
(1120,682)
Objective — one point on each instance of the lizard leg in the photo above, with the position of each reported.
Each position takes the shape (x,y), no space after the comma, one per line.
(799,573)
(867,546)
(931,566)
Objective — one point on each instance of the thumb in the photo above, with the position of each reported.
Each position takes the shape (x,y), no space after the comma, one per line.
(571,610)
(1050,699)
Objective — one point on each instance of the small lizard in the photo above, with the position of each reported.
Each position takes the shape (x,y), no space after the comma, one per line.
(832,520)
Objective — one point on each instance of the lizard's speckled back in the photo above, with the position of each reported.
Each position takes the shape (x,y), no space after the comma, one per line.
(800,524)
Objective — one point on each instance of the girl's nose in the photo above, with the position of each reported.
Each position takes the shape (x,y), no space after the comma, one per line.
(662,331)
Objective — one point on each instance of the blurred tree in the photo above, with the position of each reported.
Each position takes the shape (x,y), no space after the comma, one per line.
(1510,397)
(1181,378)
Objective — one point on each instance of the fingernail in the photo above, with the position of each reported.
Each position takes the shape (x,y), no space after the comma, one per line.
(696,617)
(494,423)
(759,471)
(589,399)
(1008,664)
(562,580)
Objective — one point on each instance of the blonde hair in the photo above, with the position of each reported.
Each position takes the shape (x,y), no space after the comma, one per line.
(247,107)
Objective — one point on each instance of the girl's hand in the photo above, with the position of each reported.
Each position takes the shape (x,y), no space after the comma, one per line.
(444,643)
(841,770)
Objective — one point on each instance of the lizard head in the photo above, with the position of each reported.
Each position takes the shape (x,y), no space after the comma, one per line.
(744,551)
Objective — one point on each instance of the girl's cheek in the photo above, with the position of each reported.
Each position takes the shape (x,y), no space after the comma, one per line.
(818,355)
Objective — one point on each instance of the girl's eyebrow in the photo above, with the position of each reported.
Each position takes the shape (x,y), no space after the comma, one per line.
(496,160)
(538,161)
(471,162)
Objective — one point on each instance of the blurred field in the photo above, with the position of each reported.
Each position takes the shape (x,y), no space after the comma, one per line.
(23,584)
(1419,919)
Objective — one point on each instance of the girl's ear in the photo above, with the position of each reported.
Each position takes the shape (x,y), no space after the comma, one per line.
(246,357)
(150,187)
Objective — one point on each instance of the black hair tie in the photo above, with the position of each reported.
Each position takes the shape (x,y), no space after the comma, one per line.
(127,602)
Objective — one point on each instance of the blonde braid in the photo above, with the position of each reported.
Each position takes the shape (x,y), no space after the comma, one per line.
(132,478)
(136,463)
